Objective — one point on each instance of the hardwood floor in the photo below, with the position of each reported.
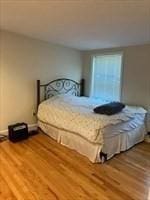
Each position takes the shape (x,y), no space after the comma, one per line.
(41,169)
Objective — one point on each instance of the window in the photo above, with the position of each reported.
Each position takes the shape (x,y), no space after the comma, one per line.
(106,77)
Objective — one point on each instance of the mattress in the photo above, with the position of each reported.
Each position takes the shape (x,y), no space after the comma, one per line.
(123,127)
(124,135)
(116,138)
(75,114)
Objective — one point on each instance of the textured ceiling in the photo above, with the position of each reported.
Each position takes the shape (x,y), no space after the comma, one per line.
(81,24)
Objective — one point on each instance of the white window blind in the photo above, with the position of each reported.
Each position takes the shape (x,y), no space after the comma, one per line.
(106,77)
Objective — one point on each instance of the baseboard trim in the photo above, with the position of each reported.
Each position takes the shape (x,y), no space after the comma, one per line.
(31,127)
(4,132)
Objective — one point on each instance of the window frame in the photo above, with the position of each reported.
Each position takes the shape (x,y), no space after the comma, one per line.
(121,75)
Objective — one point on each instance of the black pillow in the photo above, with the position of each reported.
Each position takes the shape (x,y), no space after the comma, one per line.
(109,108)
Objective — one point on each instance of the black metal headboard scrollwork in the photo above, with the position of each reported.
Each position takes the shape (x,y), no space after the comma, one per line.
(59,86)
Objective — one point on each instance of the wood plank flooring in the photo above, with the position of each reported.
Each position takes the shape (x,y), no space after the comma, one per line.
(41,169)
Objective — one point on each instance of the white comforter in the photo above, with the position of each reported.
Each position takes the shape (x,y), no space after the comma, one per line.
(76,114)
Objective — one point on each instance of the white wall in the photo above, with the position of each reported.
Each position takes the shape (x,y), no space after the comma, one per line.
(136,73)
(24,60)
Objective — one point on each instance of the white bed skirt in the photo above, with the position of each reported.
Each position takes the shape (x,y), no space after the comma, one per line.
(111,146)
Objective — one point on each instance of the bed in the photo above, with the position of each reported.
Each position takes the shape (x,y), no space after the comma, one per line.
(67,116)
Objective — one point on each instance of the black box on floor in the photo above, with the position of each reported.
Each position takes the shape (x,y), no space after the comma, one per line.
(17,132)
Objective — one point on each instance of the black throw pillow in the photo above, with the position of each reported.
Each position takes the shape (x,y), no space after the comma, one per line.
(109,108)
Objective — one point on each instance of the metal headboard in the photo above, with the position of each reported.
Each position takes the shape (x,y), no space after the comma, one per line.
(59,86)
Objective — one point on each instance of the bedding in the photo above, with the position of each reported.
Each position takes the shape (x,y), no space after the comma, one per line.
(75,114)
(117,138)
